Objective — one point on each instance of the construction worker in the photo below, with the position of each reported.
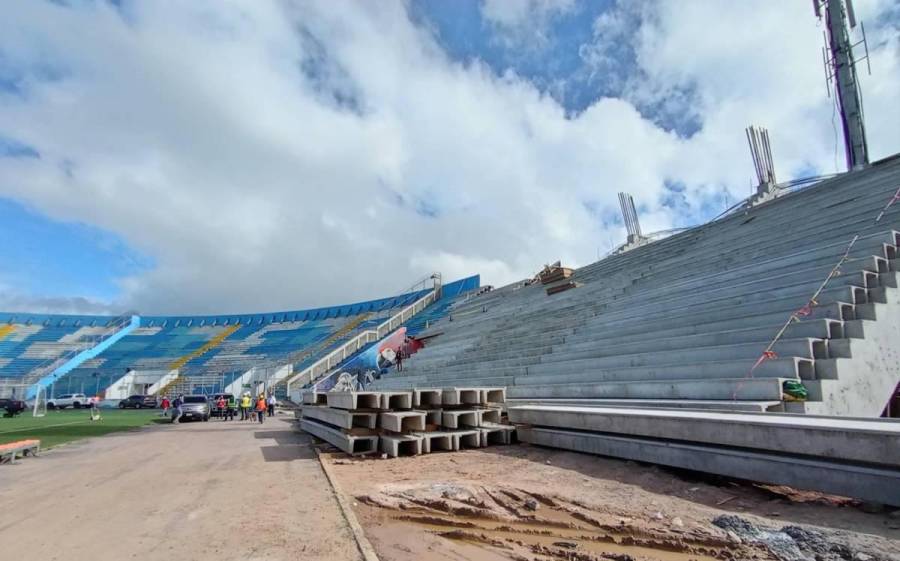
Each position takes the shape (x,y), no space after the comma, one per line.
(261,407)
(245,406)
(230,407)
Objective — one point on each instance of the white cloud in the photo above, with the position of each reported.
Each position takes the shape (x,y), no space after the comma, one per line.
(523,24)
(271,155)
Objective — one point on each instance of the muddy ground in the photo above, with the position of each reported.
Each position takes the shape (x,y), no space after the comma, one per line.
(528,503)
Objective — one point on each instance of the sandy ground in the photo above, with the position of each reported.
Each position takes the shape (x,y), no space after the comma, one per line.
(528,503)
(197,491)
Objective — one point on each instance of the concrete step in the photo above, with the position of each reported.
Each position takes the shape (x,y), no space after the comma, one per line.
(723,405)
(743,389)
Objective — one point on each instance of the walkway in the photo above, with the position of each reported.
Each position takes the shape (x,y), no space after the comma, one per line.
(188,491)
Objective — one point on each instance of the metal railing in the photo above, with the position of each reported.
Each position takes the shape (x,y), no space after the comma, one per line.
(326,363)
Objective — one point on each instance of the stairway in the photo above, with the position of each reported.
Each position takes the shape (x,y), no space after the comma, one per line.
(184,383)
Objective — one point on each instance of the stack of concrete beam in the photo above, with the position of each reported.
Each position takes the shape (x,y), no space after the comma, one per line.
(412,422)
(682,321)
(846,456)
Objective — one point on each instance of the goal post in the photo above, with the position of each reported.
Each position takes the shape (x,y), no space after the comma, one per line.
(40,403)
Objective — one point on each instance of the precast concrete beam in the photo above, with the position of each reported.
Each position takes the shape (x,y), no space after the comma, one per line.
(341,418)
(354,400)
(433,441)
(432,417)
(876,484)
(461,396)
(493,395)
(498,434)
(427,398)
(396,400)
(466,439)
(395,445)
(354,445)
(843,438)
(402,421)
(314,398)
(458,419)
(489,416)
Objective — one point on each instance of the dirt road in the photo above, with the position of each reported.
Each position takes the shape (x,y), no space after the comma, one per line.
(199,491)
(505,503)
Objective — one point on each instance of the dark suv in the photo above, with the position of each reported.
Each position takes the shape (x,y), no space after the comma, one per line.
(138,402)
(11,407)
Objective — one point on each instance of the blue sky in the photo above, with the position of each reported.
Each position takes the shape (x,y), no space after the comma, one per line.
(201,157)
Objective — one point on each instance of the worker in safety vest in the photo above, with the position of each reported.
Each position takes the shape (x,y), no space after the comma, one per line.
(230,407)
(261,407)
(245,407)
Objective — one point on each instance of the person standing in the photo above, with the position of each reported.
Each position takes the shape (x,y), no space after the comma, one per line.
(399,359)
(245,406)
(177,405)
(272,402)
(230,407)
(261,408)
(165,406)
(220,406)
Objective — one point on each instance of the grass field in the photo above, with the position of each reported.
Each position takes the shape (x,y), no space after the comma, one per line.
(59,427)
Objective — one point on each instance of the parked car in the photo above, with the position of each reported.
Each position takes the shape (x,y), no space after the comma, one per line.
(214,411)
(12,406)
(138,402)
(193,407)
(74,400)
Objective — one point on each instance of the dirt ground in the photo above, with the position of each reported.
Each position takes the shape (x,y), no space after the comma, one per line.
(197,491)
(522,503)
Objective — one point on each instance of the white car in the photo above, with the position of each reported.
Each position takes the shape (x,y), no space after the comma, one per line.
(75,400)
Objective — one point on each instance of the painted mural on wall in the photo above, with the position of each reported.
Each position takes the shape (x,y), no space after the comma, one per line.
(367,366)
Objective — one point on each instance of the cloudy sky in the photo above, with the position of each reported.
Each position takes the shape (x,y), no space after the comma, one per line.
(235,156)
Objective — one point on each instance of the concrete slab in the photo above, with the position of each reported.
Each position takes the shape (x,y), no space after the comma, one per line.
(340,418)
(402,421)
(427,398)
(493,395)
(396,400)
(844,438)
(461,396)
(354,400)
(880,485)
(395,445)
(354,445)
(462,418)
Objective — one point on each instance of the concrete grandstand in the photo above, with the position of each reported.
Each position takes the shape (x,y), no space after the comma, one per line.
(117,356)
(688,321)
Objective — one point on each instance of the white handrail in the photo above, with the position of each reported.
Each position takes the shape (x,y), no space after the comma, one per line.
(364,338)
